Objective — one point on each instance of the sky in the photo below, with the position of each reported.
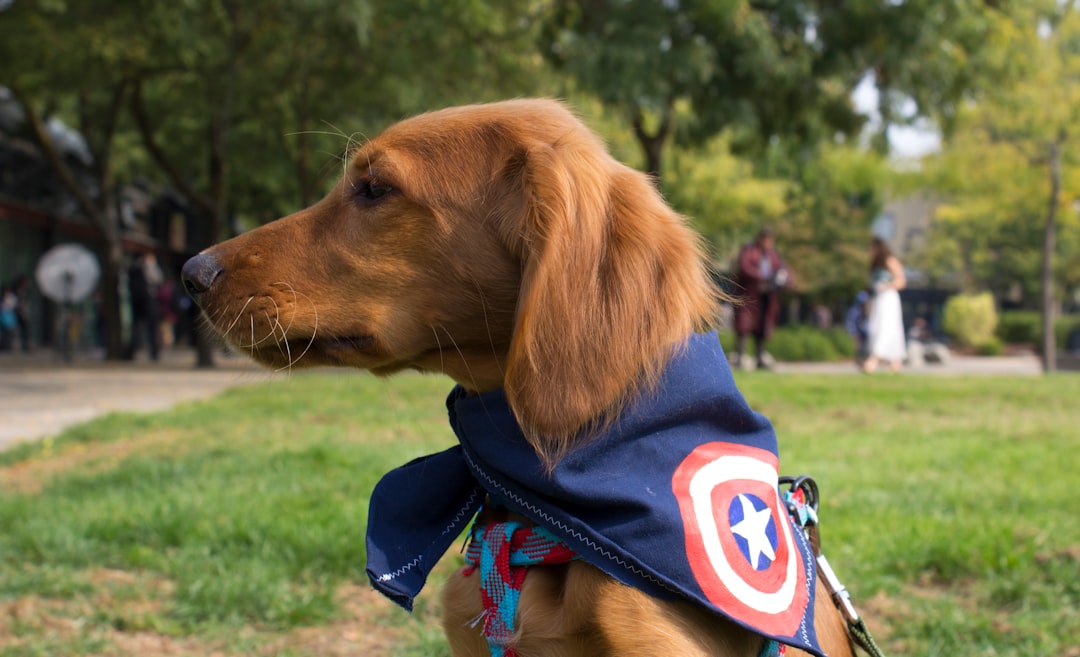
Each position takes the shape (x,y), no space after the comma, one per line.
(906,142)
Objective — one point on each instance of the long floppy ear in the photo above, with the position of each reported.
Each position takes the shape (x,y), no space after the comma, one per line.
(613,280)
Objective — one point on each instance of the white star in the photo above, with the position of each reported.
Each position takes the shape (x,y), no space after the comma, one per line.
(752,527)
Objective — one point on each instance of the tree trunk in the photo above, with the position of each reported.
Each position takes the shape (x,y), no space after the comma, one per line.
(112,268)
(1049,340)
(99,211)
(652,145)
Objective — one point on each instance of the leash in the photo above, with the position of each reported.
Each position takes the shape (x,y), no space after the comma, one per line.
(802,504)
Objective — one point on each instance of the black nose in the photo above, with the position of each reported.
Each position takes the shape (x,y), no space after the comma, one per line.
(199,273)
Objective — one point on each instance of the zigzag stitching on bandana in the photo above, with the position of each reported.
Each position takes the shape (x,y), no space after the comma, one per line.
(563,526)
(449,528)
(808,559)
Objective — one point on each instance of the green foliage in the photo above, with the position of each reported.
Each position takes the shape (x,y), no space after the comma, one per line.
(820,210)
(993,346)
(807,343)
(995,175)
(802,344)
(727,200)
(826,234)
(1020,327)
(773,71)
(252,109)
(970,319)
(842,341)
(1025,326)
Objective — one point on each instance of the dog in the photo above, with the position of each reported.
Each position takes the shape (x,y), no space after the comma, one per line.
(502,245)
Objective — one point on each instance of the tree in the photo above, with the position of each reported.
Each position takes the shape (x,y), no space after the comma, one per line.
(58,62)
(835,197)
(723,194)
(768,71)
(1018,137)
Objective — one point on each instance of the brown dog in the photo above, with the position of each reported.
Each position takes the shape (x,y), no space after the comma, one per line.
(502,245)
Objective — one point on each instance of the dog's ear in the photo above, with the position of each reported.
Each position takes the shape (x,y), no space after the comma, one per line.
(612,281)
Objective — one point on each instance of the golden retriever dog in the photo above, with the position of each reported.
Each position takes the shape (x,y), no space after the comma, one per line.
(502,245)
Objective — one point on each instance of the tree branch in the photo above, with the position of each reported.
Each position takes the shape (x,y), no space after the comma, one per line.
(103,153)
(142,121)
(56,161)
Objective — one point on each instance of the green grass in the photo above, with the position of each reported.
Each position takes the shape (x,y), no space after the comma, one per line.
(236,525)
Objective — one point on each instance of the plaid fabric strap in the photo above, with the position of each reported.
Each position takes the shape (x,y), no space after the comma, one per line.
(503,552)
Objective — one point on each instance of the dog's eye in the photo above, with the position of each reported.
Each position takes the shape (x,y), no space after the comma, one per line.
(371,189)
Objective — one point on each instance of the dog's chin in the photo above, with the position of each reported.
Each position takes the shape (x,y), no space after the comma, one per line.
(352,351)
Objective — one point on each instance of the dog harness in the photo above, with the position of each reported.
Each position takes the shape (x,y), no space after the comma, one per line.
(677,497)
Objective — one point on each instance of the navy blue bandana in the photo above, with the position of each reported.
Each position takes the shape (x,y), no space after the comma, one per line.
(677,497)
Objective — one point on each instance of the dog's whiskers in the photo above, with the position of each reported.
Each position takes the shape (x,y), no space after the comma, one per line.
(438,343)
(239,315)
(487,326)
(453,342)
(289,361)
(354,142)
(284,329)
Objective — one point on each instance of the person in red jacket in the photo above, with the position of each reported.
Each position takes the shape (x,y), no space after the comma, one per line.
(761,275)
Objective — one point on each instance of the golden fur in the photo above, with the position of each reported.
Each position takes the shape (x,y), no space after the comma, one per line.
(502,245)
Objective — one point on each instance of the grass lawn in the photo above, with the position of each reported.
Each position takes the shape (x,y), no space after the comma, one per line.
(235,526)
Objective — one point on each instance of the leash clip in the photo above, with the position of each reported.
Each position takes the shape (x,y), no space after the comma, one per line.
(802,500)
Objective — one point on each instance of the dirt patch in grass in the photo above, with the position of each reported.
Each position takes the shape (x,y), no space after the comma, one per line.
(30,476)
(366,627)
(127,615)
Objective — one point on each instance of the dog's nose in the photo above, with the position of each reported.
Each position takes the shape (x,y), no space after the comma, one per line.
(199,273)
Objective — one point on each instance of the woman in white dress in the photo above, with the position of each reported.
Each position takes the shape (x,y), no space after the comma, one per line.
(886,323)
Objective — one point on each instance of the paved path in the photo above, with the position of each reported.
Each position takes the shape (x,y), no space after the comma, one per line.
(1016,365)
(39,396)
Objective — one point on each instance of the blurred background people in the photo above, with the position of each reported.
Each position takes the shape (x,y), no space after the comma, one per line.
(144,280)
(885,327)
(761,275)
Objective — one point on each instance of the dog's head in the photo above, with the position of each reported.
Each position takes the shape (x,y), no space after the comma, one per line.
(500,244)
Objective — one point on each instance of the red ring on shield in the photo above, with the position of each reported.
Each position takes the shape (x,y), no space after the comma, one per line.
(706,484)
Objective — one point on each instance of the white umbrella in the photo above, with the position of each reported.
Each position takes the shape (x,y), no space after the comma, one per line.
(67,273)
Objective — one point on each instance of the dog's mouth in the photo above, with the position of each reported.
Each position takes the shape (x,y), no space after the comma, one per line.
(346,343)
(313,352)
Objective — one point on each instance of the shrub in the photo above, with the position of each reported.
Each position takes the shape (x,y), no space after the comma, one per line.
(970,319)
(1063,327)
(799,343)
(1020,326)
(842,341)
(1025,326)
(802,343)
(992,347)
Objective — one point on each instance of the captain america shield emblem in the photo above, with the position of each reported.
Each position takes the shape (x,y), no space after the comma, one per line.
(739,541)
